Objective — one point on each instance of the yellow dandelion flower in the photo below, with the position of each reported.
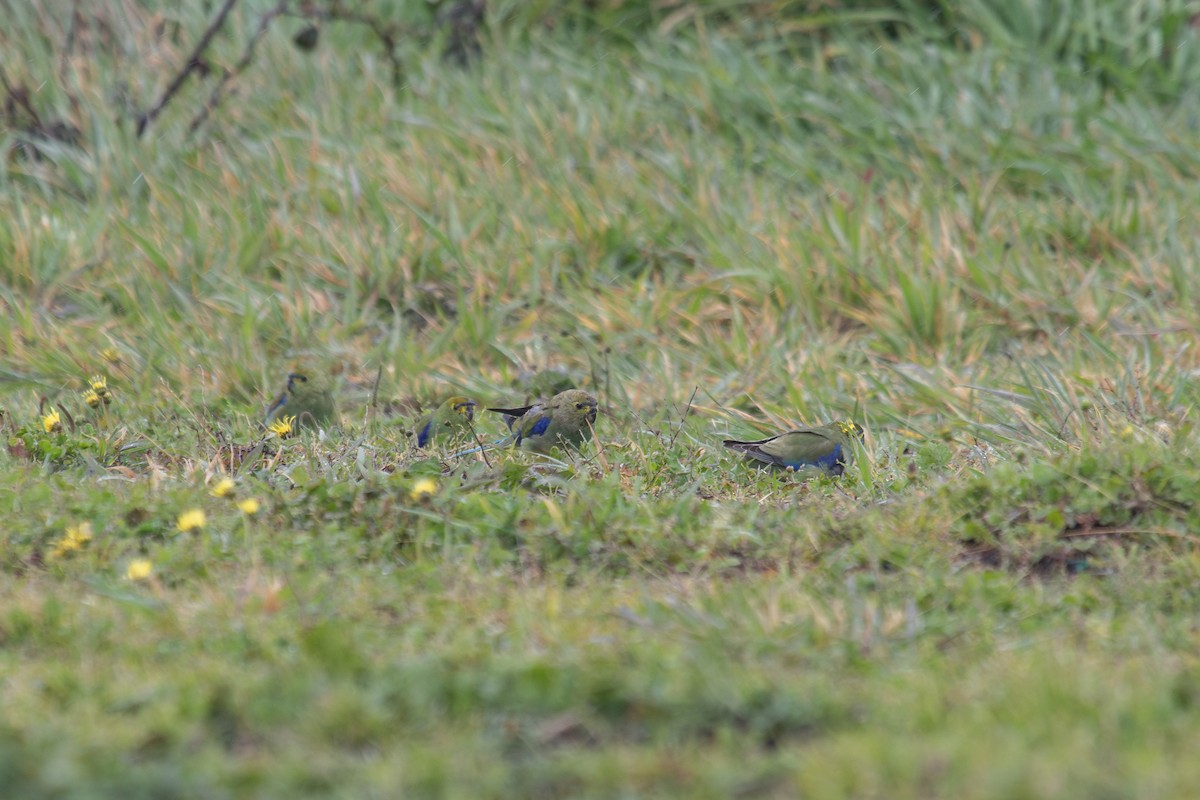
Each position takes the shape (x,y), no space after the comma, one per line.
(81,533)
(283,427)
(249,506)
(52,422)
(111,354)
(191,520)
(423,489)
(139,569)
(99,385)
(224,489)
(92,399)
(76,538)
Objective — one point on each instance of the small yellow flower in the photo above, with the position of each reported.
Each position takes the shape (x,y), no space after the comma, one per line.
(423,489)
(191,520)
(139,569)
(249,506)
(224,489)
(76,538)
(99,385)
(52,422)
(111,354)
(283,427)
(81,533)
(92,399)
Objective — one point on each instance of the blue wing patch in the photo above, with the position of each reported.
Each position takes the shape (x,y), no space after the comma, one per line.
(830,462)
(423,436)
(537,429)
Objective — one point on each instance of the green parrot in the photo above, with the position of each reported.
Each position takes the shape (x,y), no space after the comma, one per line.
(307,397)
(453,417)
(827,448)
(564,420)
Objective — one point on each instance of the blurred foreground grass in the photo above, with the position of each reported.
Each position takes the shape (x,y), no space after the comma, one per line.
(981,244)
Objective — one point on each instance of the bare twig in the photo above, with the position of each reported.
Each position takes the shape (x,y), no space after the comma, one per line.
(372,404)
(18,96)
(482,447)
(214,99)
(191,65)
(388,33)
(683,417)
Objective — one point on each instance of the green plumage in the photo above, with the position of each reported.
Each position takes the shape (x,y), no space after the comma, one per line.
(451,419)
(307,397)
(564,420)
(828,448)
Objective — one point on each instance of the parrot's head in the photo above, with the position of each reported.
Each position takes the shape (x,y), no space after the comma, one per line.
(575,406)
(306,384)
(463,406)
(851,430)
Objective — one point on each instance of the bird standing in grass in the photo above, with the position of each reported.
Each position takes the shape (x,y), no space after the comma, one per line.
(827,448)
(452,418)
(307,397)
(564,420)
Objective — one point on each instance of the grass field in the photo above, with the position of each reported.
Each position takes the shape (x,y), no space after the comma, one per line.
(973,230)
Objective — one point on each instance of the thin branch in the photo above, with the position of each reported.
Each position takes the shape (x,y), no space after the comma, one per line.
(483,446)
(683,417)
(20,97)
(214,99)
(375,386)
(373,402)
(191,65)
(388,33)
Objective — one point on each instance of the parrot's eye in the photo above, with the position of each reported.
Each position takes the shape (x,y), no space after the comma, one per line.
(579,406)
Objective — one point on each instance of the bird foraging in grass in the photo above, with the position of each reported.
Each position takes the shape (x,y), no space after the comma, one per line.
(451,419)
(307,397)
(828,448)
(564,420)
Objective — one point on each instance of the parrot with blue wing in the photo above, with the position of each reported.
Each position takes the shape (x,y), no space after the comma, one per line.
(564,420)
(450,419)
(307,396)
(828,448)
